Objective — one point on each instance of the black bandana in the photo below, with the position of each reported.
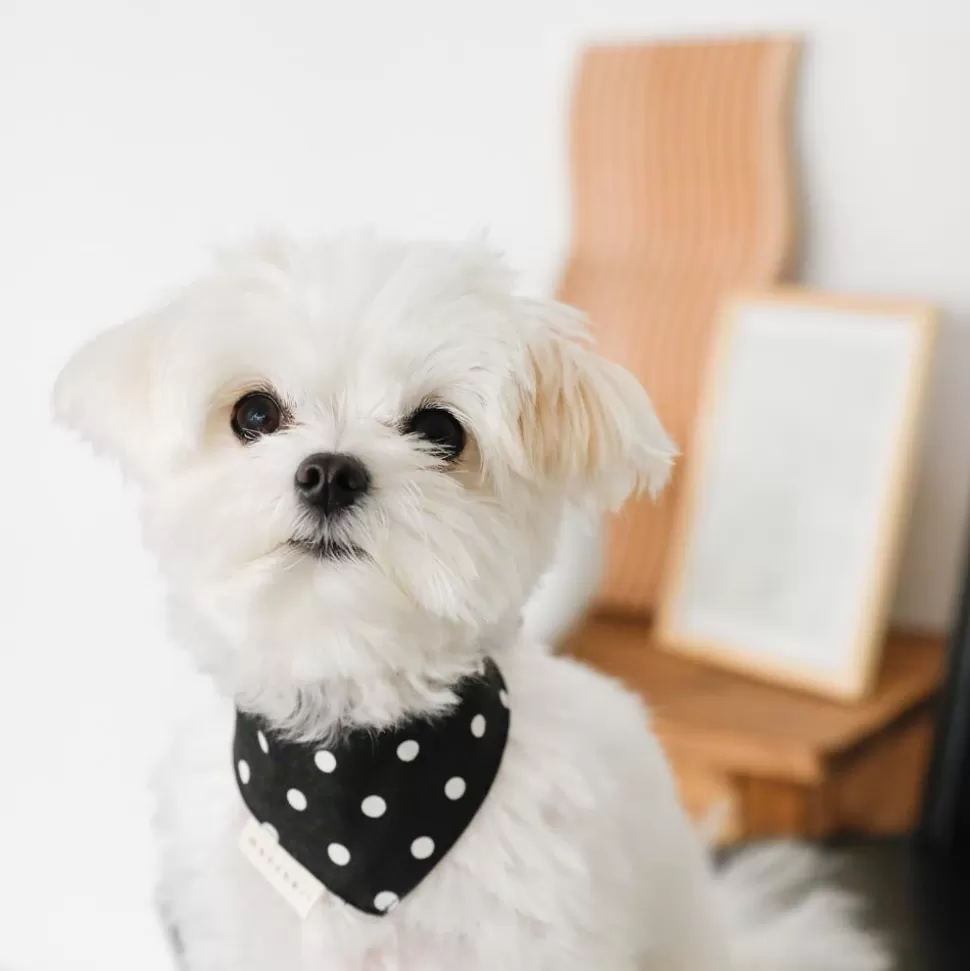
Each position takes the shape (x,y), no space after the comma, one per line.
(371,814)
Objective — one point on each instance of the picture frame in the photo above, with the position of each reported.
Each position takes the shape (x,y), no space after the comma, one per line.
(797,488)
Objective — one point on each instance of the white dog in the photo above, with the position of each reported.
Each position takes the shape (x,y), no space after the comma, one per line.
(355,456)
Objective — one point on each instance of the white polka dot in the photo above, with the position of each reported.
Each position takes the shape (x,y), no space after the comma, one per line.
(503,696)
(244,772)
(296,799)
(478,726)
(373,806)
(339,854)
(386,901)
(263,744)
(271,831)
(422,847)
(325,761)
(455,787)
(408,751)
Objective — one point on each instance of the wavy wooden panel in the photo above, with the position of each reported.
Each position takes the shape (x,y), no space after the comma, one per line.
(682,189)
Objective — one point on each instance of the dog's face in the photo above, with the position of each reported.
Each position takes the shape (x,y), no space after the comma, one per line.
(354,454)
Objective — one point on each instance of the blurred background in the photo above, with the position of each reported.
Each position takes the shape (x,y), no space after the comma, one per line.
(136,135)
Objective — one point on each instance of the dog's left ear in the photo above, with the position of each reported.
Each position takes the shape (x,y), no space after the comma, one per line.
(105,393)
(586,423)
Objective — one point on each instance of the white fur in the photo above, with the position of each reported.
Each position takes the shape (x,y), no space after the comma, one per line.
(566,590)
(581,857)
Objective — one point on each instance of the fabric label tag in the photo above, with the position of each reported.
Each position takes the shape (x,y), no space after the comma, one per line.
(292,881)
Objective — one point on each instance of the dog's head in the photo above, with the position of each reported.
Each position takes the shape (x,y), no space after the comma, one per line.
(354,454)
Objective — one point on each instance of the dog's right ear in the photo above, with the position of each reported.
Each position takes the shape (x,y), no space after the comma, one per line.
(105,394)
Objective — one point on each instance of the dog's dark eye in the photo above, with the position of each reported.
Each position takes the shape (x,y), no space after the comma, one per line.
(255,414)
(439,427)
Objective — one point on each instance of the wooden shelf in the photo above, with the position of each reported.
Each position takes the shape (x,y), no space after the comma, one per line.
(781,761)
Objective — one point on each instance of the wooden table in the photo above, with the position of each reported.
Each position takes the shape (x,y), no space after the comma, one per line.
(771,761)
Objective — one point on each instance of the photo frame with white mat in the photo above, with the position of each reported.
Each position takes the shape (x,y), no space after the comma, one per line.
(797,488)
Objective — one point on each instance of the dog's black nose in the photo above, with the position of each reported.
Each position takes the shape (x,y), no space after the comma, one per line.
(329,481)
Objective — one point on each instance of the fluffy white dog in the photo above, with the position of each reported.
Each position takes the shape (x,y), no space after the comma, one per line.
(355,456)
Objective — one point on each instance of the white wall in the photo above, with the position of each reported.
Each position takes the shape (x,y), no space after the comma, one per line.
(135,134)
(136,139)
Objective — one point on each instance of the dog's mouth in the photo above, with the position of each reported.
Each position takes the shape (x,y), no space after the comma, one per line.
(328,549)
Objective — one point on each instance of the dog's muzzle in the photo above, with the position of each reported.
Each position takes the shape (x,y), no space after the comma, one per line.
(331,482)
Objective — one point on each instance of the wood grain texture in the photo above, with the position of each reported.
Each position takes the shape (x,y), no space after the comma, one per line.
(877,789)
(753,728)
(770,808)
(682,189)
(763,760)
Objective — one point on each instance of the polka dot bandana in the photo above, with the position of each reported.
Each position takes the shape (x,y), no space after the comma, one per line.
(371,814)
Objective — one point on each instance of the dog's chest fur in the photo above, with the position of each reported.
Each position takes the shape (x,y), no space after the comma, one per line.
(564,867)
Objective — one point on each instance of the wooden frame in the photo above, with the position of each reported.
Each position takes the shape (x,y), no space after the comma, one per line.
(856,666)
